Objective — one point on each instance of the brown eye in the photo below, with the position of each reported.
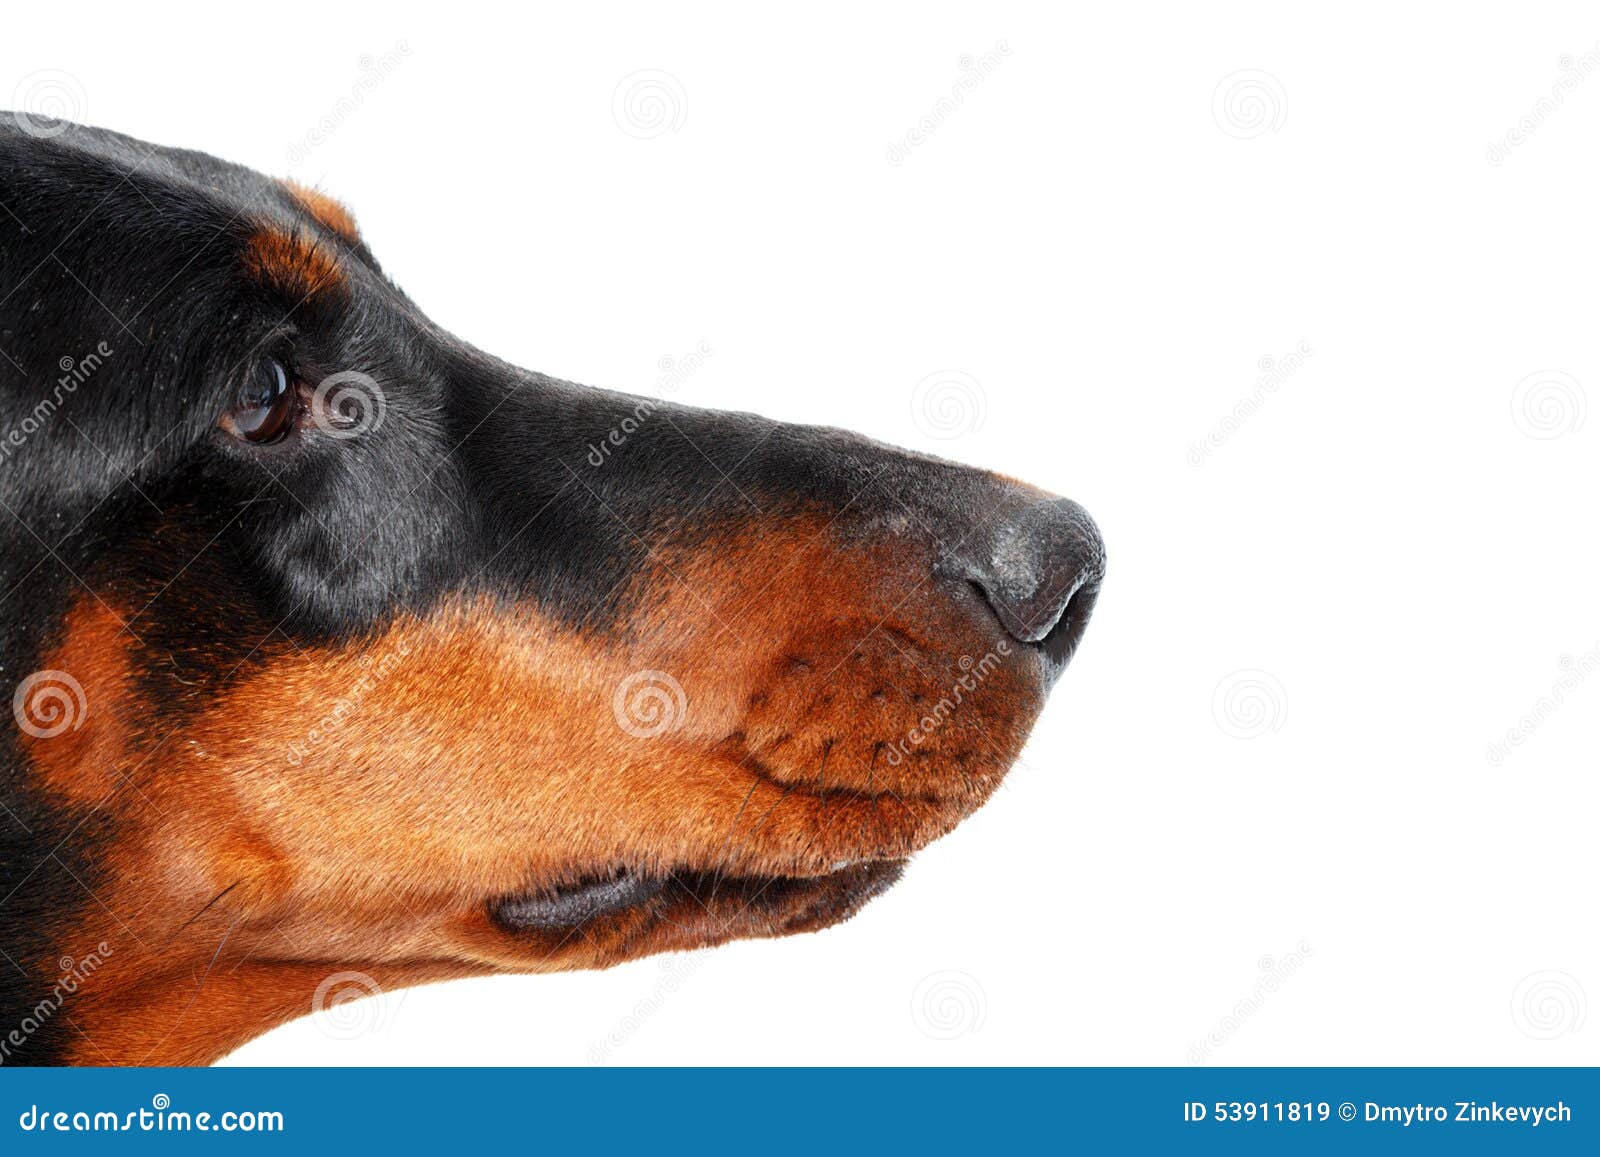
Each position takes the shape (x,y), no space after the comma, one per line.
(265,406)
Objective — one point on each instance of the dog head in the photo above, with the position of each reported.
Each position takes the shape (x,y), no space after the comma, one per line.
(336,644)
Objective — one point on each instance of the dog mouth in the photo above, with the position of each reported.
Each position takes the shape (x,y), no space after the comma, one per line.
(708,905)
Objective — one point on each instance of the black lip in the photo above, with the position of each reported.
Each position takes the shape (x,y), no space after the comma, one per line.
(722,895)
(570,907)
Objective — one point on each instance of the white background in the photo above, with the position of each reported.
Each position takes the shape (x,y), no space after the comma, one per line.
(1316,861)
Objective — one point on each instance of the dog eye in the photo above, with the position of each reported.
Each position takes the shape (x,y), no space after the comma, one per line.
(265,406)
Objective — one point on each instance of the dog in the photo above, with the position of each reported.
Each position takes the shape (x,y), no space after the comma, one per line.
(338,648)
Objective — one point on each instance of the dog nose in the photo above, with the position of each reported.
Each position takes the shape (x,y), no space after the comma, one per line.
(1039,568)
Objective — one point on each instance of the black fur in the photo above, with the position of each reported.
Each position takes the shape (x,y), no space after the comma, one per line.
(477,479)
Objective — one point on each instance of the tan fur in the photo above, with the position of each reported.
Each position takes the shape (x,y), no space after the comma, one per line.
(295,264)
(357,808)
(331,213)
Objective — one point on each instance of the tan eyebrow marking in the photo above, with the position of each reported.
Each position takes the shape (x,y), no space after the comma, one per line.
(326,210)
(294,263)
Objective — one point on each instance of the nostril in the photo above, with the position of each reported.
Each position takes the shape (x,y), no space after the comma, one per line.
(1040,574)
(1063,639)
(1043,613)
(1024,619)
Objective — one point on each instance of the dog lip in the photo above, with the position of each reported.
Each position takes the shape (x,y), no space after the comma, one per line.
(568,907)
